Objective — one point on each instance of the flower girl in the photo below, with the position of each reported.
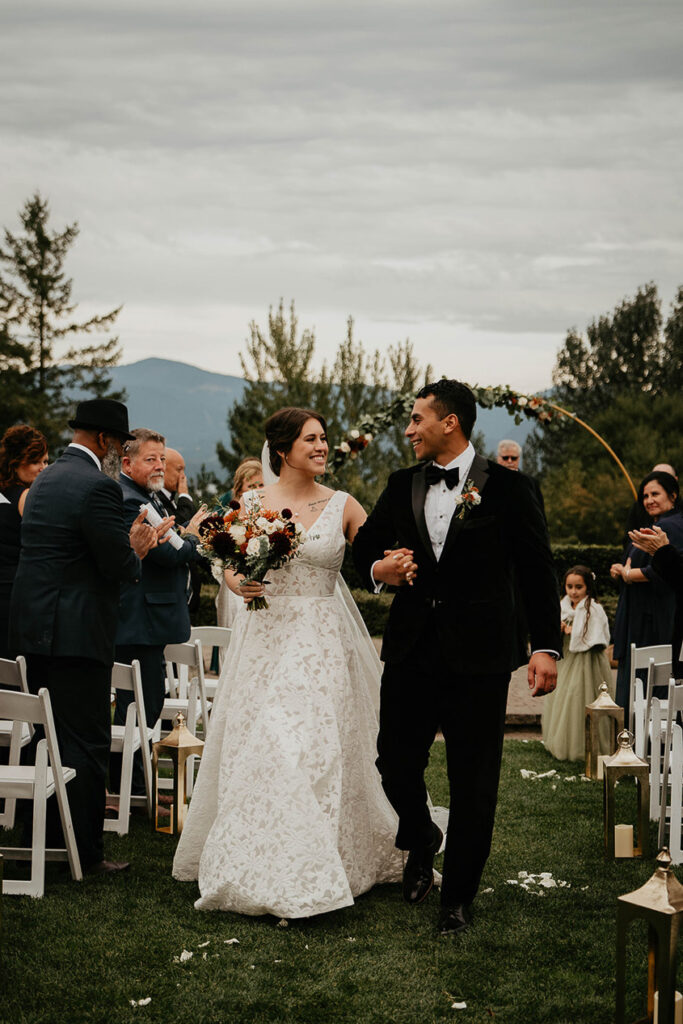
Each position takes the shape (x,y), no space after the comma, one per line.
(582,670)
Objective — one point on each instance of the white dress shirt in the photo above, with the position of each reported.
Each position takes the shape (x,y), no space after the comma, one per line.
(440,501)
(82,448)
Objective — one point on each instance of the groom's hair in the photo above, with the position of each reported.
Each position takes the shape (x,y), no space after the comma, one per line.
(450,396)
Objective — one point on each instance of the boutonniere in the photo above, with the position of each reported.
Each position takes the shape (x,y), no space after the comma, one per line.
(468,498)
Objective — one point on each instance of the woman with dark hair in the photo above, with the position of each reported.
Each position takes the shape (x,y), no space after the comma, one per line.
(288,816)
(667,563)
(581,672)
(646,608)
(23,455)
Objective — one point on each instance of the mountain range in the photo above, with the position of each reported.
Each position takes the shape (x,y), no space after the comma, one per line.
(190,407)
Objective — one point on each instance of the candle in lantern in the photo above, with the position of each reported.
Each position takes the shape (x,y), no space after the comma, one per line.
(678,1009)
(623,840)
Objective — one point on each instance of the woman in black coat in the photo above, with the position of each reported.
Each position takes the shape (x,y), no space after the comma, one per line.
(667,562)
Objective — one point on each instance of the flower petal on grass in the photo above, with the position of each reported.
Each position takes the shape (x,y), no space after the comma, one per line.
(202,945)
(458,1006)
(231,942)
(283,923)
(141,1002)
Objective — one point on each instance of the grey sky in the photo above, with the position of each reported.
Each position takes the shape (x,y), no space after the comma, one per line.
(478,175)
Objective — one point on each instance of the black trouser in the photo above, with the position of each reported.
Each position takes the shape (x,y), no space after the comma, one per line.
(81,707)
(419,695)
(152,673)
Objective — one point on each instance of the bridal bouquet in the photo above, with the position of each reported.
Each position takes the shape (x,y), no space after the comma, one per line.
(250,542)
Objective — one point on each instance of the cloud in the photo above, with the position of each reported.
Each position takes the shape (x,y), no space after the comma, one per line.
(508,168)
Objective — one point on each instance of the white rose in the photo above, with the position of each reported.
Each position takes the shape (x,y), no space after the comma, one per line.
(254,546)
(368,438)
(476,498)
(263,523)
(354,434)
(277,524)
(521,401)
(238,534)
(345,447)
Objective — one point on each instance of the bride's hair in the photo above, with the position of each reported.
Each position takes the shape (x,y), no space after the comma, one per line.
(282,430)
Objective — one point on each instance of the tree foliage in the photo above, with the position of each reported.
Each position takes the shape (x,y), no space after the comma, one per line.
(279,370)
(624,379)
(41,371)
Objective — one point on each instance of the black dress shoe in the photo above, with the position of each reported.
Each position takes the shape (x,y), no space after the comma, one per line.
(418,873)
(452,920)
(107,867)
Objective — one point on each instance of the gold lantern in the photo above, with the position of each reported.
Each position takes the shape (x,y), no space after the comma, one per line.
(602,710)
(626,764)
(660,903)
(177,747)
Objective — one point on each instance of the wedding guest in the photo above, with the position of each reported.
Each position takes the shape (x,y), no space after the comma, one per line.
(23,455)
(248,477)
(667,562)
(637,516)
(175,498)
(581,672)
(75,550)
(645,612)
(508,454)
(153,611)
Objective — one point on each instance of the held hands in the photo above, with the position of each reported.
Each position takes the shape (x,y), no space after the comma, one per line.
(542,674)
(649,540)
(620,572)
(396,568)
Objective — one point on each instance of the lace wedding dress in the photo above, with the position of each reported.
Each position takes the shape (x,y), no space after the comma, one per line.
(288,816)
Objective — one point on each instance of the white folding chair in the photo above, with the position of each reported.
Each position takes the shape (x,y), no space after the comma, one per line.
(125,740)
(640,657)
(672,774)
(212,636)
(13,677)
(36,782)
(658,675)
(187,693)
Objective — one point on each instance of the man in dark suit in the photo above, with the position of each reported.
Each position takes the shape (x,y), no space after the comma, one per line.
(175,498)
(465,529)
(154,612)
(75,551)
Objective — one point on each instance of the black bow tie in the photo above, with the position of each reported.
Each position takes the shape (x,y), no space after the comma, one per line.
(435,474)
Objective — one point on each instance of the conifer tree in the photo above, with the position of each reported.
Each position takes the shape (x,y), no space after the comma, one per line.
(46,375)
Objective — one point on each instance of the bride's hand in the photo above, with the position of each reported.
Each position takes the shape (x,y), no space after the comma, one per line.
(396,568)
(249,590)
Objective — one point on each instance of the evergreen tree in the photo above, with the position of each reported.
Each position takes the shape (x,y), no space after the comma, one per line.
(36,310)
(278,368)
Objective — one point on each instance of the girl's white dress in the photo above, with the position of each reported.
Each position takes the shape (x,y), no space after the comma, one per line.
(288,815)
(580,673)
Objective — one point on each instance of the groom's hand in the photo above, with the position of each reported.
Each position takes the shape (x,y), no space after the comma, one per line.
(542,674)
(396,568)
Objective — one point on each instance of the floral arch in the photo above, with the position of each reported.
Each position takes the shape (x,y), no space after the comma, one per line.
(533,407)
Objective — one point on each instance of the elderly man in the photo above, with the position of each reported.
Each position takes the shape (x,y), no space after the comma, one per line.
(508,454)
(76,549)
(175,498)
(153,613)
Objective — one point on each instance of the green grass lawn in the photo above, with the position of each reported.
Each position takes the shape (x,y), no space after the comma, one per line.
(85,951)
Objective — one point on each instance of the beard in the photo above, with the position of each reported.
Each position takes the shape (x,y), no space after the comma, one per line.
(111,463)
(155,483)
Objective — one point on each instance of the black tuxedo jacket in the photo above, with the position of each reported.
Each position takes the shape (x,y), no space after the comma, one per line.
(469,593)
(155,611)
(181,507)
(75,550)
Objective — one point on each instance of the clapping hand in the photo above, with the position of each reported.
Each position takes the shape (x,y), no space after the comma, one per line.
(194,523)
(649,540)
(142,536)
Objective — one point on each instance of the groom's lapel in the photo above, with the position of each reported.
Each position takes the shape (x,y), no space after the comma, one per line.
(418,498)
(478,476)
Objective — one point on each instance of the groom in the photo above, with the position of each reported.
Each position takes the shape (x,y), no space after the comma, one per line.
(449,646)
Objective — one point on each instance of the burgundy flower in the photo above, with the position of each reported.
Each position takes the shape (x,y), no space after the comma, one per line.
(211,523)
(280,543)
(223,544)
(234,504)
(286,513)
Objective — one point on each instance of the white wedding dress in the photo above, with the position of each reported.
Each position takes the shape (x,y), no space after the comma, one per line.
(288,815)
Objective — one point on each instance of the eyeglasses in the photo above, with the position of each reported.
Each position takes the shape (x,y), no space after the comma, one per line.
(510,458)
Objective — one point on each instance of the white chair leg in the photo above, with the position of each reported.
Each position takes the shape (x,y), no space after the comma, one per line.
(37,884)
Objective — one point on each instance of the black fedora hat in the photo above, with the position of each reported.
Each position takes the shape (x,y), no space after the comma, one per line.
(103,414)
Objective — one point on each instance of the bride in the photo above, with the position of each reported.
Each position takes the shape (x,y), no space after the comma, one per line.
(288,816)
